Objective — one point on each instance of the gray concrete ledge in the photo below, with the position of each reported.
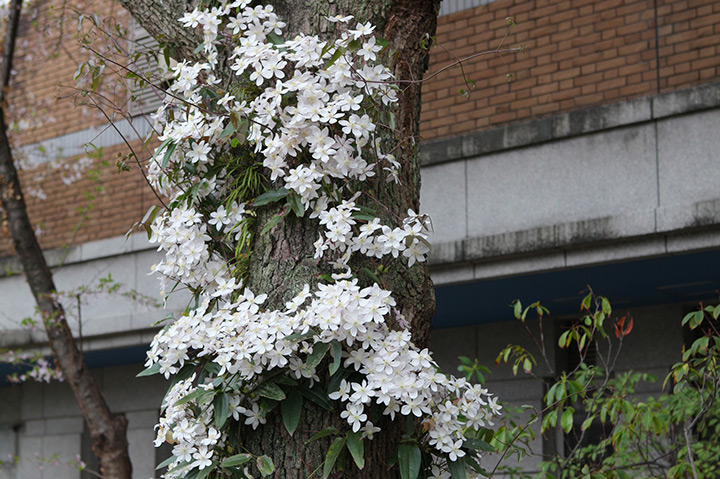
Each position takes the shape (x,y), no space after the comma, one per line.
(92,250)
(631,235)
(573,123)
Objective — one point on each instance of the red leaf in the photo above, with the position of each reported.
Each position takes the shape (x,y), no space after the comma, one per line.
(629,327)
(619,327)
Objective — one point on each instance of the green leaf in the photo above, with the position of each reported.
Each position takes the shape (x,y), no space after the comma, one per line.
(586,302)
(319,350)
(336,353)
(166,463)
(291,408)
(201,395)
(355,446)
(566,421)
(333,452)
(271,391)
(274,221)
(338,52)
(296,205)
(605,306)
(363,216)
(330,431)
(236,460)
(370,275)
(154,369)
(299,336)
(457,469)
(220,405)
(275,39)
(318,396)
(265,465)
(409,458)
(205,472)
(270,196)
(478,445)
(517,309)
(168,153)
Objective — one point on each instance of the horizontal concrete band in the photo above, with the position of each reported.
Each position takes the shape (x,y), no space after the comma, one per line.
(573,123)
(668,230)
(92,250)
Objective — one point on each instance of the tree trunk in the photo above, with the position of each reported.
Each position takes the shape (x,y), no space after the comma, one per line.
(108,432)
(282,260)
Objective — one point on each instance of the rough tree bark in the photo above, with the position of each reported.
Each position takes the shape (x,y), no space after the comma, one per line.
(108,431)
(282,260)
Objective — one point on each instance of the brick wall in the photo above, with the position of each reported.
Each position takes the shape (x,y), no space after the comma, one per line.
(42,100)
(68,216)
(43,97)
(580,53)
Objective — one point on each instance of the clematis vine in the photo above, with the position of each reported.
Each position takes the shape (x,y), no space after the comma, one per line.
(302,116)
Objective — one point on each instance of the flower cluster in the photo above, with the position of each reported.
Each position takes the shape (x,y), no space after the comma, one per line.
(307,109)
(36,367)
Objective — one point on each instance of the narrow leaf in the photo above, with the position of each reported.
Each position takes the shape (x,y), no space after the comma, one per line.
(336,353)
(330,431)
(355,446)
(271,391)
(236,460)
(409,458)
(166,463)
(270,196)
(316,356)
(296,205)
(457,469)
(291,408)
(220,405)
(154,369)
(274,221)
(318,396)
(333,452)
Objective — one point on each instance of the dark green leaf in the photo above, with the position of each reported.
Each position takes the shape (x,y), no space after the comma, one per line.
(154,369)
(337,54)
(478,445)
(457,469)
(291,408)
(168,153)
(333,452)
(275,39)
(330,431)
(270,196)
(371,275)
(220,405)
(165,463)
(336,353)
(318,396)
(409,458)
(274,221)
(271,391)
(296,205)
(318,353)
(363,216)
(299,336)
(355,446)
(201,395)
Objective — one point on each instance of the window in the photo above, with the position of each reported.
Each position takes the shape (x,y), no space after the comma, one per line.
(149,64)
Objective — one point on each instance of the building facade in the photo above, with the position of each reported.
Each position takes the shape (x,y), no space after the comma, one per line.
(597,164)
